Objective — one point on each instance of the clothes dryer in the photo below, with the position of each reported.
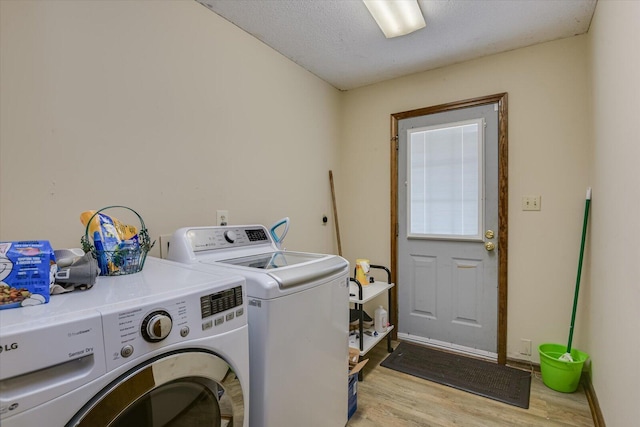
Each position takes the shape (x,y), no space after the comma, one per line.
(167,346)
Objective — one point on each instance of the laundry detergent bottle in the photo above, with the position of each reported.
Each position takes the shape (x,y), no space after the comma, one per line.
(380,320)
(362,268)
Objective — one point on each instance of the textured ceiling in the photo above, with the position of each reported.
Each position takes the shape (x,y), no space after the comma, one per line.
(338,40)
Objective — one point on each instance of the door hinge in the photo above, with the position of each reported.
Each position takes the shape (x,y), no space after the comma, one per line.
(397,229)
(395,138)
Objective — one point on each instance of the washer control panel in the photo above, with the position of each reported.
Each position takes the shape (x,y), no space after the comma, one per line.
(211,238)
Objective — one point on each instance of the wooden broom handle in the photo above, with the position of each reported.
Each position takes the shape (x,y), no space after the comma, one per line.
(335,212)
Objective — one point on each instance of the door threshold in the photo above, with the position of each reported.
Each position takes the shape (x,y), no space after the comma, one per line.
(455,348)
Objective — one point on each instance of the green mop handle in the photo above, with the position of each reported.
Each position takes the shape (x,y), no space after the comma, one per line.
(575,296)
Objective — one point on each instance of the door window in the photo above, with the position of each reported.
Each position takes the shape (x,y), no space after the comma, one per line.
(445,181)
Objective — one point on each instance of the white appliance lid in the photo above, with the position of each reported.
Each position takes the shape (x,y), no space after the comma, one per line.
(271,260)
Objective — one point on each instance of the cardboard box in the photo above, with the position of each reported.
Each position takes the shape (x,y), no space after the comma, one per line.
(27,269)
(355,366)
(353,395)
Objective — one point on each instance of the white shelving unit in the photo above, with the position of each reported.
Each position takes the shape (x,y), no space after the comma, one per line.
(369,340)
(369,291)
(366,338)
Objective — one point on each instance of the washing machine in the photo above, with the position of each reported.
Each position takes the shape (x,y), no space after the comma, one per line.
(298,307)
(167,346)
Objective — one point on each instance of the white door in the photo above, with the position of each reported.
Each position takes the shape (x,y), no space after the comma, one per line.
(448,229)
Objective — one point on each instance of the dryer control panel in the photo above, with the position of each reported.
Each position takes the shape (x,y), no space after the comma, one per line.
(135,330)
(221,301)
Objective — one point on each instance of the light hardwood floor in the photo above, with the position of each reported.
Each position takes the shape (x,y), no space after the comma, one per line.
(390,398)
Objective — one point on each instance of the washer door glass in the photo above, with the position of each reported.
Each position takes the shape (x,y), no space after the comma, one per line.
(182,389)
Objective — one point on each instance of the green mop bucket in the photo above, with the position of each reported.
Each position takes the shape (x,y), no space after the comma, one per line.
(560,375)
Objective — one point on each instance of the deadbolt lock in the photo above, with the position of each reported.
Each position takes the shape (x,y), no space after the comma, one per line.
(489,234)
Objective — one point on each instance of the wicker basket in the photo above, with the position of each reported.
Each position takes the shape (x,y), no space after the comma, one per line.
(128,258)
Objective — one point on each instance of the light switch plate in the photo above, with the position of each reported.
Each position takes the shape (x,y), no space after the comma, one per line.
(531,203)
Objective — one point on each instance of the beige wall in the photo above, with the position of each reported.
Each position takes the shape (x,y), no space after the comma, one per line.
(548,155)
(175,112)
(614,292)
(163,107)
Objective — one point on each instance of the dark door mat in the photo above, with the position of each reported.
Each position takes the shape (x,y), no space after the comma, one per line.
(497,382)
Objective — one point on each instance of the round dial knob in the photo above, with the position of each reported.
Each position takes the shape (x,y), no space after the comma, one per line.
(230,236)
(156,326)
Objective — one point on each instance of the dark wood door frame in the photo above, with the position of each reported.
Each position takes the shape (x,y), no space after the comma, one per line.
(503,203)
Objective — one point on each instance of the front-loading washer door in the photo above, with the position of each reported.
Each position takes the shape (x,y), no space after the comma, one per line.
(179,389)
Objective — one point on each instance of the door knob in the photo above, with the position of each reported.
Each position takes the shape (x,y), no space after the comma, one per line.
(489,246)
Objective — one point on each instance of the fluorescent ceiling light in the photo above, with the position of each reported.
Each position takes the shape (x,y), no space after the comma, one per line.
(396,17)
